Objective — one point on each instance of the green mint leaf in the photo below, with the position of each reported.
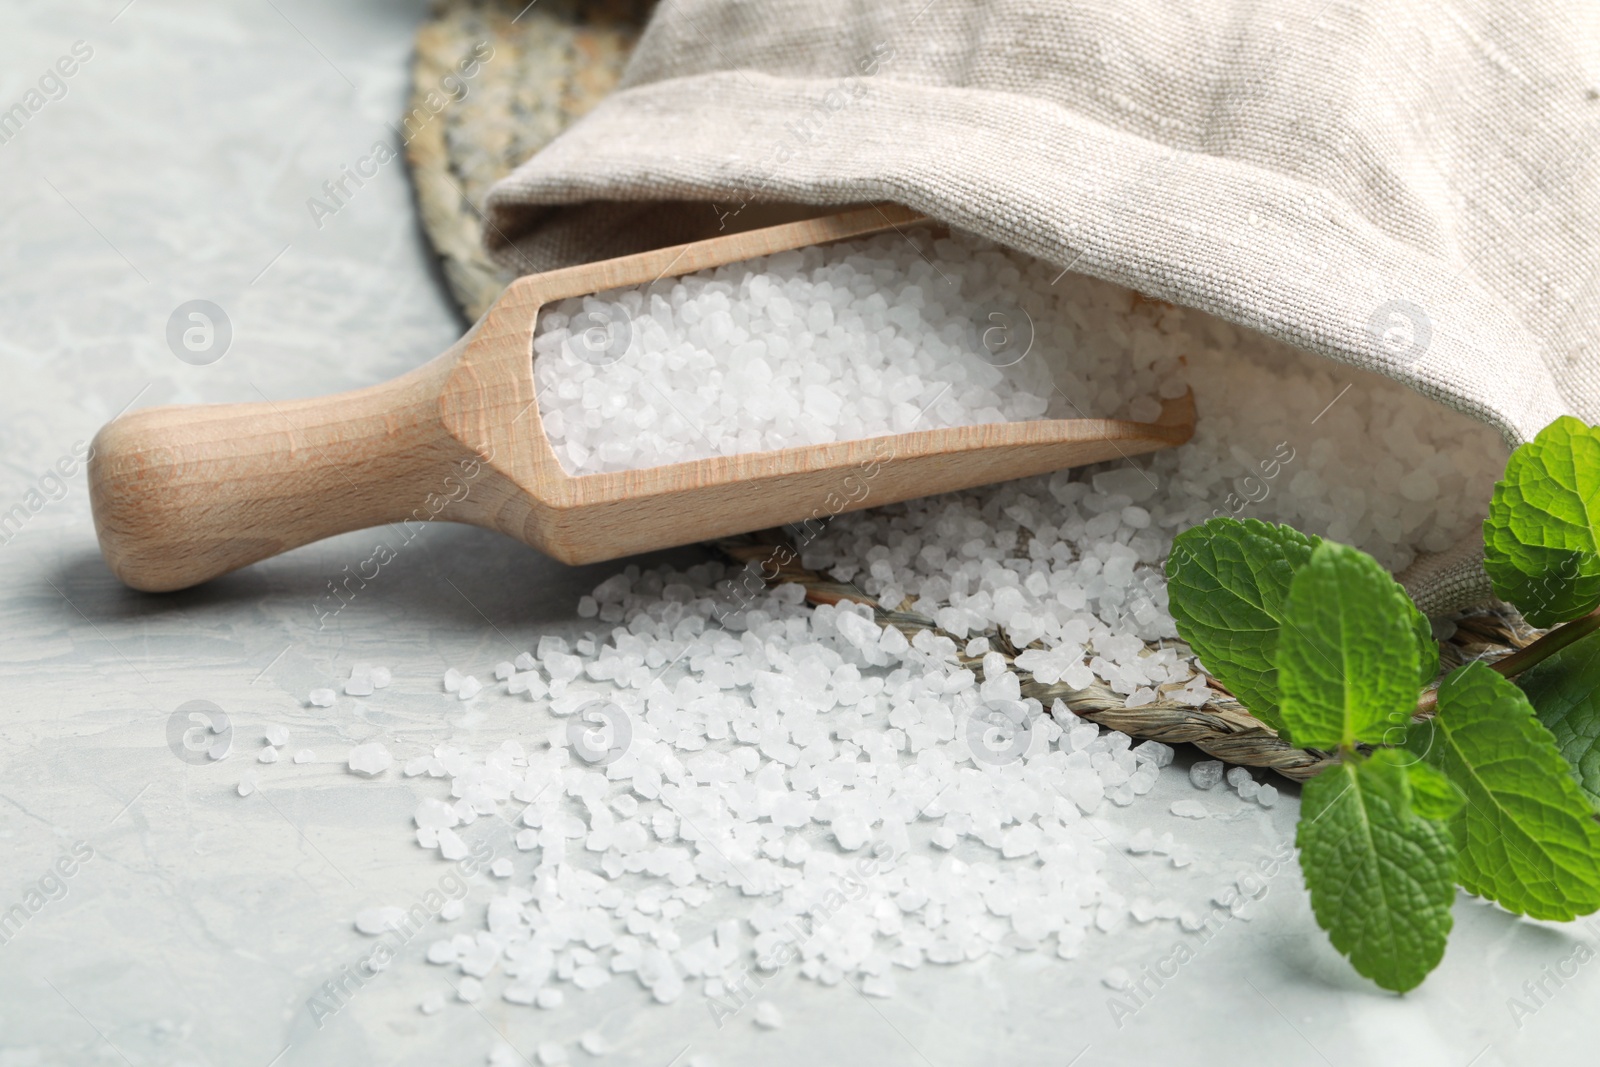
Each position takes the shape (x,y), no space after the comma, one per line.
(1433,796)
(1380,875)
(1228,580)
(1347,656)
(1565,693)
(1540,538)
(1527,833)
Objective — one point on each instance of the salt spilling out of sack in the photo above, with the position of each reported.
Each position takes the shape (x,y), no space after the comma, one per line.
(723,779)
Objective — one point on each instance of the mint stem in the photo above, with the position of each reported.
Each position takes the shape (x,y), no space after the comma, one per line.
(1536,651)
(1548,644)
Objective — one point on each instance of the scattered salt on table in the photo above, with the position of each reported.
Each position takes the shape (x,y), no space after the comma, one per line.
(754,715)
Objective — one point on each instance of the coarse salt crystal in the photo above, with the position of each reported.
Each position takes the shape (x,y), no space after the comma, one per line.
(1206,773)
(369,759)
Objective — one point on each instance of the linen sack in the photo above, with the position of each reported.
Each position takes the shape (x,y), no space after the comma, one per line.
(1408,187)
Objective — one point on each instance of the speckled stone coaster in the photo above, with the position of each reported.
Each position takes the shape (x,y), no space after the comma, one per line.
(492,81)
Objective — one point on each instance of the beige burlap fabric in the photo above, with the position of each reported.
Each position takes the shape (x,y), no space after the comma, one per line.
(1413,188)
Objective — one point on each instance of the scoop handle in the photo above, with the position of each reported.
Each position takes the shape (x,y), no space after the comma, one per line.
(186,493)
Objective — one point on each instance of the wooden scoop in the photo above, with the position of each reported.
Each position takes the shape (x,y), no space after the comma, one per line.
(184,494)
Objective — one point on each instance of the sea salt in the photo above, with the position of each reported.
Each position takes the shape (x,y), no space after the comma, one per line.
(277,736)
(720,362)
(369,759)
(1206,773)
(771,745)
(768,1017)
(322,698)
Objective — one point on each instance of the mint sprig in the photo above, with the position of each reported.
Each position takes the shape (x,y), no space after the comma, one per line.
(1565,691)
(1527,834)
(1227,581)
(1497,790)
(1541,544)
(1347,657)
(1380,873)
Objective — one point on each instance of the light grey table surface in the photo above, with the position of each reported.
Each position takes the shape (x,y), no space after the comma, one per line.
(177,165)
